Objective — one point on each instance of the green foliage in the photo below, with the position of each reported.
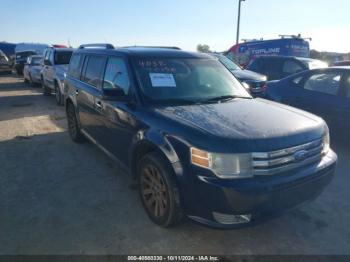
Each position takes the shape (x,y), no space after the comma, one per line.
(203,48)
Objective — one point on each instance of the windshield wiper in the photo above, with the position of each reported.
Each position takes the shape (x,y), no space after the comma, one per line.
(223,98)
(181,101)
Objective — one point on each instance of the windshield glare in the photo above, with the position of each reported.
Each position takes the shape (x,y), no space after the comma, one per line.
(191,79)
(62,58)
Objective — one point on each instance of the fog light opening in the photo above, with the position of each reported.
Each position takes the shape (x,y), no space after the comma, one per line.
(227,219)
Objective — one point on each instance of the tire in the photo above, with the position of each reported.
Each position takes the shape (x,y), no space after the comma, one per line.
(73,126)
(58,95)
(158,191)
(46,90)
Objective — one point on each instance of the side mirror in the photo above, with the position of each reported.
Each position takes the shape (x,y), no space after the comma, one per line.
(113,92)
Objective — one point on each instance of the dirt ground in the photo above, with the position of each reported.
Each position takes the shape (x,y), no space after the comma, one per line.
(57,197)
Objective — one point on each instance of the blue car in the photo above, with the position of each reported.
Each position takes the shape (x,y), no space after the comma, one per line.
(192,137)
(324,92)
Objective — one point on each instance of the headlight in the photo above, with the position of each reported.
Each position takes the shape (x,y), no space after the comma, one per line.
(223,165)
(326,142)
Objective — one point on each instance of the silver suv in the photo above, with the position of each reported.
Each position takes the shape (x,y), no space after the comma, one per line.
(55,66)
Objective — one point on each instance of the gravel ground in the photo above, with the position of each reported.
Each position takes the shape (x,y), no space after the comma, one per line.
(57,197)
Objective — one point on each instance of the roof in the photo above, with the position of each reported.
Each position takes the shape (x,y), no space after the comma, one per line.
(60,49)
(146,52)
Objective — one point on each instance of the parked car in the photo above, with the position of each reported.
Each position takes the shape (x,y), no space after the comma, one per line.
(191,135)
(32,69)
(278,67)
(36,47)
(9,50)
(21,59)
(5,63)
(55,66)
(342,63)
(325,92)
(255,81)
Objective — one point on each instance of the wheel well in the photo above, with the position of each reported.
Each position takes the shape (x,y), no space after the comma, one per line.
(138,153)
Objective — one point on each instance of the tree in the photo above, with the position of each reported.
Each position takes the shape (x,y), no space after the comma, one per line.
(203,48)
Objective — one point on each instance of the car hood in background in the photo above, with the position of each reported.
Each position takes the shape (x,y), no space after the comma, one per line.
(246,124)
(248,75)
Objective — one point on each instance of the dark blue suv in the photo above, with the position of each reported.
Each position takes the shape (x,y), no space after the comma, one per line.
(196,142)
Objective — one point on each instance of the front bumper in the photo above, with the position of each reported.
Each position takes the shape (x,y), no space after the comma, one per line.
(258,196)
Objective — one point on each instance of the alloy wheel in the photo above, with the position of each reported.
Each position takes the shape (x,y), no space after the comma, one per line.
(154,191)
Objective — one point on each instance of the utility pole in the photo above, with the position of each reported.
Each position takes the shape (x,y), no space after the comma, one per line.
(238,19)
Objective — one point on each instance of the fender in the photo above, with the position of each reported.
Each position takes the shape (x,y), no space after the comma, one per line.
(147,141)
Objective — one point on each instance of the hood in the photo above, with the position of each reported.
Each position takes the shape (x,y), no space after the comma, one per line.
(248,75)
(246,125)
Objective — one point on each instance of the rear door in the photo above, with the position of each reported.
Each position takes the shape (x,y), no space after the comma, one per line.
(320,94)
(47,68)
(86,92)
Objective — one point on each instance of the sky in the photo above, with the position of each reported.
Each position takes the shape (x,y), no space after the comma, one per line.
(182,23)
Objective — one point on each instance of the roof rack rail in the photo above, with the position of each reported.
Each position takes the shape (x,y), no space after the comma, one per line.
(164,47)
(106,46)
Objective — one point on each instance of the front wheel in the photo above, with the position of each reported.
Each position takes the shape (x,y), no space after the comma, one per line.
(158,190)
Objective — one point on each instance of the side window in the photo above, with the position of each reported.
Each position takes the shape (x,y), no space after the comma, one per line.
(327,83)
(291,67)
(47,55)
(75,65)
(94,69)
(116,75)
(51,58)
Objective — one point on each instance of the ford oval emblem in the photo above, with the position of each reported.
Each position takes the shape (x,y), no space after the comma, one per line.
(300,155)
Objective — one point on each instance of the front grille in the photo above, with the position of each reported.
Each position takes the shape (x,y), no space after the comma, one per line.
(269,163)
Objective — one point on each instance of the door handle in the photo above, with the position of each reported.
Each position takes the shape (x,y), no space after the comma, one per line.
(98,105)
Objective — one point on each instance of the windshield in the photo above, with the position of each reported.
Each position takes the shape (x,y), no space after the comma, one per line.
(229,64)
(186,79)
(63,58)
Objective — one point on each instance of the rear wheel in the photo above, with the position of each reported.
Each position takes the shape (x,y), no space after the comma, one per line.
(73,127)
(158,190)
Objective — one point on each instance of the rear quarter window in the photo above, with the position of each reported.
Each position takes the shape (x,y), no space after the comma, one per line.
(94,69)
(75,65)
